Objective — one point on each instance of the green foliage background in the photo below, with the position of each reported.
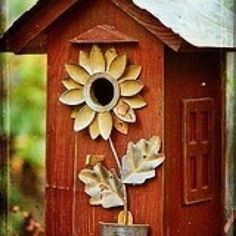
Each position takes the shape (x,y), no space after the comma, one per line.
(230,181)
(26,86)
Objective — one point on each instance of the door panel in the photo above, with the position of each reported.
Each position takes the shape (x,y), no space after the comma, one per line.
(197,143)
(193,144)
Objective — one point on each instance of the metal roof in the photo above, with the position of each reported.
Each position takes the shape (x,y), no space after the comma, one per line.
(202,23)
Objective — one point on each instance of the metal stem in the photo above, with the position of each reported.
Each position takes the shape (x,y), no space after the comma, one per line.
(113,149)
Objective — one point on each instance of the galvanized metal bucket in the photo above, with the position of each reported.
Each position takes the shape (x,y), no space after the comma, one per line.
(112,229)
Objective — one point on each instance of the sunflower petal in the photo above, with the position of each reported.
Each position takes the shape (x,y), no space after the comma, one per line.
(105,124)
(120,125)
(71,84)
(132,72)
(110,55)
(77,73)
(72,97)
(94,129)
(124,112)
(97,60)
(122,108)
(135,102)
(74,112)
(84,61)
(130,88)
(84,118)
(118,66)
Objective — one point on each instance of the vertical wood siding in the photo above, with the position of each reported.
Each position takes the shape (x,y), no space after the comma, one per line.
(68,209)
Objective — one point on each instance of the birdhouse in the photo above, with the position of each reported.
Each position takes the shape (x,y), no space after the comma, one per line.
(121,71)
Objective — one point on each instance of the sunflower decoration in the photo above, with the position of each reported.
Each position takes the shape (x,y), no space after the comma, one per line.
(103,91)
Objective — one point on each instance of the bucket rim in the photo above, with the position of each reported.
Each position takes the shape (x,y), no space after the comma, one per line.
(120,225)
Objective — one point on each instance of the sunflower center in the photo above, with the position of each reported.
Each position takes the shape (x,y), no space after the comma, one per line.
(101,92)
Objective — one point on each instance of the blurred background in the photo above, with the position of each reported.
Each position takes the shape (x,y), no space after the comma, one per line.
(25,83)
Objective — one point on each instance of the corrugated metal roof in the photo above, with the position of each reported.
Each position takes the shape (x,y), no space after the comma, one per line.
(203,23)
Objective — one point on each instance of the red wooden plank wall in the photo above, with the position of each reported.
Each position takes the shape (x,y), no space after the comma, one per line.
(68,209)
(192,76)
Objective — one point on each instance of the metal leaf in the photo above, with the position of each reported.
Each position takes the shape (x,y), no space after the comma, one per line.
(84,61)
(92,160)
(130,88)
(72,97)
(110,55)
(120,125)
(124,112)
(135,102)
(151,147)
(118,66)
(77,73)
(97,60)
(105,124)
(94,129)
(103,186)
(141,159)
(132,72)
(84,118)
(71,84)
(75,111)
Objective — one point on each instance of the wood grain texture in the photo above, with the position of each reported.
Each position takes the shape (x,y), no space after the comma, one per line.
(103,34)
(23,36)
(67,150)
(36,46)
(59,205)
(61,159)
(198,146)
(184,75)
(151,23)
(33,23)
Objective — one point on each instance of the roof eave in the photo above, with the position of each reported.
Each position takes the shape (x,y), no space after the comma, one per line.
(27,34)
(32,24)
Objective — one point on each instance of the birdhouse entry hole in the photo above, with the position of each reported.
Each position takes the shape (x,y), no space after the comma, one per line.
(102,92)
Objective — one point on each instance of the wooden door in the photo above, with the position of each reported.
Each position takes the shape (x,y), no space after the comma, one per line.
(193,144)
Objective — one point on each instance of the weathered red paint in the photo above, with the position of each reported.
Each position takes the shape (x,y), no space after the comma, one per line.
(29,33)
(67,151)
(105,34)
(190,76)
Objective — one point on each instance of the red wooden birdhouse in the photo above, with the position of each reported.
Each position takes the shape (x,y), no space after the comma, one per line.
(120,71)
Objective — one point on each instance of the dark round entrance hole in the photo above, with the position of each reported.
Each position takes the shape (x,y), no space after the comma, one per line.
(102,91)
